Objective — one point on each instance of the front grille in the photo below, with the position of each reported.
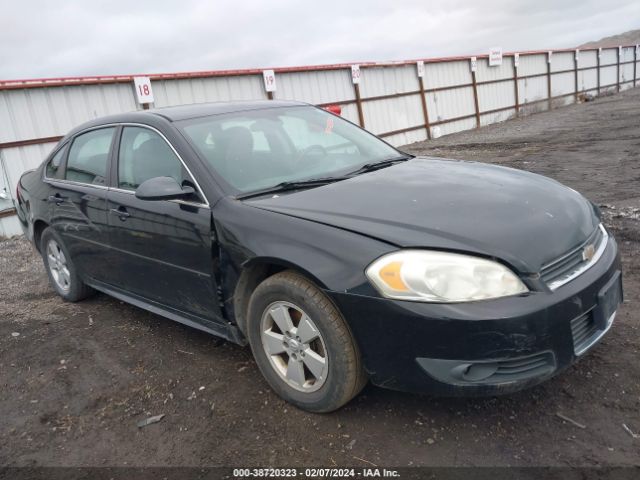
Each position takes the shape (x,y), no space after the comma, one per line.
(524,367)
(570,265)
(583,329)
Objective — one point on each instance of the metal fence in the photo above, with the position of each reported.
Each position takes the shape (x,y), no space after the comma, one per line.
(403,102)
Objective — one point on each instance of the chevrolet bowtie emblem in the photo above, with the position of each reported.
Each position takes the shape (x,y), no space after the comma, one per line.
(588,252)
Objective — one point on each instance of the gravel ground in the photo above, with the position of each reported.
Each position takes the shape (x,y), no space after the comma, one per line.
(76,378)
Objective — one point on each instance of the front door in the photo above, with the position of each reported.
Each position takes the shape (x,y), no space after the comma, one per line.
(161,249)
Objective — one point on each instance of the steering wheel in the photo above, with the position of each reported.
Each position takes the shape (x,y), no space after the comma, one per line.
(310,152)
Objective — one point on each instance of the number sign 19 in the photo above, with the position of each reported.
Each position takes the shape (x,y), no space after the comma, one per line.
(269,78)
(143,89)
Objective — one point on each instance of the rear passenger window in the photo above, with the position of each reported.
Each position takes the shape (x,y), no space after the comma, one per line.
(88,156)
(53,167)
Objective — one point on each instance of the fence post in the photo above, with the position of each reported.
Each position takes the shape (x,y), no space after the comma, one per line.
(549,54)
(516,62)
(355,79)
(575,74)
(635,62)
(420,71)
(618,70)
(599,52)
(356,87)
(474,66)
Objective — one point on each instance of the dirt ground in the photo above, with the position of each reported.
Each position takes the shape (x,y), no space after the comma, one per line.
(76,378)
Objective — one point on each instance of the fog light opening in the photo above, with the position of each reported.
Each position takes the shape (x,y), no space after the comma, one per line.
(475,372)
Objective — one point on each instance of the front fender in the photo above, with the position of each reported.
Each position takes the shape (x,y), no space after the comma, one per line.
(333,258)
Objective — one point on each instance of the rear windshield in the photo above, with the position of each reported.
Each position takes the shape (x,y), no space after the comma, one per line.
(258,149)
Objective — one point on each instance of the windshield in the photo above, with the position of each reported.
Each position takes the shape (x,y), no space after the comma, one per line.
(257,149)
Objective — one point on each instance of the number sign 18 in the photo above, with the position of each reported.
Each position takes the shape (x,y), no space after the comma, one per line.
(144,93)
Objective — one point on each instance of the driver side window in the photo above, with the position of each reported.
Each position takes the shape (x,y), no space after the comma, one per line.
(143,155)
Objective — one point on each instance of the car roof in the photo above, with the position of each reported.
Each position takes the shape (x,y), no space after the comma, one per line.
(183,112)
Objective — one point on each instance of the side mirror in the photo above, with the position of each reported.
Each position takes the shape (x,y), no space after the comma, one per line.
(162,188)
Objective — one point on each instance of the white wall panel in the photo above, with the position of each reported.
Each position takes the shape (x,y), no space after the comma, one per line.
(587,80)
(407,137)
(213,89)
(393,114)
(609,56)
(375,81)
(446,104)
(350,112)
(532,89)
(316,87)
(19,160)
(627,54)
(485,72)
(10,226)
(50,111)
(626,74)
(587,58)
(496,95)
(562,61)
(562,83)
(532,64)
(443,74)
(608,76)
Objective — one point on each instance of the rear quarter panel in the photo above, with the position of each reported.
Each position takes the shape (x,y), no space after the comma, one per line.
(31,204)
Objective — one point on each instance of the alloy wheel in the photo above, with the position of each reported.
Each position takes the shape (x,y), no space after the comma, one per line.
(294,346)
(58,266)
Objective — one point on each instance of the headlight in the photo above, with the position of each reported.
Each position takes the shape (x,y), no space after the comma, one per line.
(432,276)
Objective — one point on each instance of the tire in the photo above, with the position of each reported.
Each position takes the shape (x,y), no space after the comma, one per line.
(62,272)
(320,341)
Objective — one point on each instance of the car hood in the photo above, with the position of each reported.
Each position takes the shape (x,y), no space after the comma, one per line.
(525,219)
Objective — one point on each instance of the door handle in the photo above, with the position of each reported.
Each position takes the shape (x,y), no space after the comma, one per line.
(121,213)
(57,199)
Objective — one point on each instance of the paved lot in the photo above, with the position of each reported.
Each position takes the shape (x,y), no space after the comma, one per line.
(78,377)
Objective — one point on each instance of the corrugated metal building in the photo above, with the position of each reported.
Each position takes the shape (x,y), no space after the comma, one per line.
(393,100)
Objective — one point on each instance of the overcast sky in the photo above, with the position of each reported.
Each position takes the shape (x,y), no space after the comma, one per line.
(41,38)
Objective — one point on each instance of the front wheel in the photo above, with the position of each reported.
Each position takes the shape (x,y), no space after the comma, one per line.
(302,344)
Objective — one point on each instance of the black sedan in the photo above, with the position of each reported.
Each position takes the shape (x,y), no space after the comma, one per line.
(338,258)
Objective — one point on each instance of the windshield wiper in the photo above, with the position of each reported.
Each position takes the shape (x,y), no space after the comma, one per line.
(292,185)
(370,167)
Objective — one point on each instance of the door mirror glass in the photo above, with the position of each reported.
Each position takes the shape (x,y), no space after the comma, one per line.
(162,188)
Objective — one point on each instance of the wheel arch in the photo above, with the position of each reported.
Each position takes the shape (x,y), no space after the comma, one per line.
(254,272)
(38,227)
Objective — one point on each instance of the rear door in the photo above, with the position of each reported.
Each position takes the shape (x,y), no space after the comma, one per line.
(78,199)
(161,249)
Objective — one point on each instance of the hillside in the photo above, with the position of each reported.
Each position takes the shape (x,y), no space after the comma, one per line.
(632,37)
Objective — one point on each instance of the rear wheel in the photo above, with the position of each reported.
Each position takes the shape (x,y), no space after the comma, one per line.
(61,270)
(302,344)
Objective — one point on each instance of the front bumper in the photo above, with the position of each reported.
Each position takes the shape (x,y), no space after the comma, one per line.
(485,347)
